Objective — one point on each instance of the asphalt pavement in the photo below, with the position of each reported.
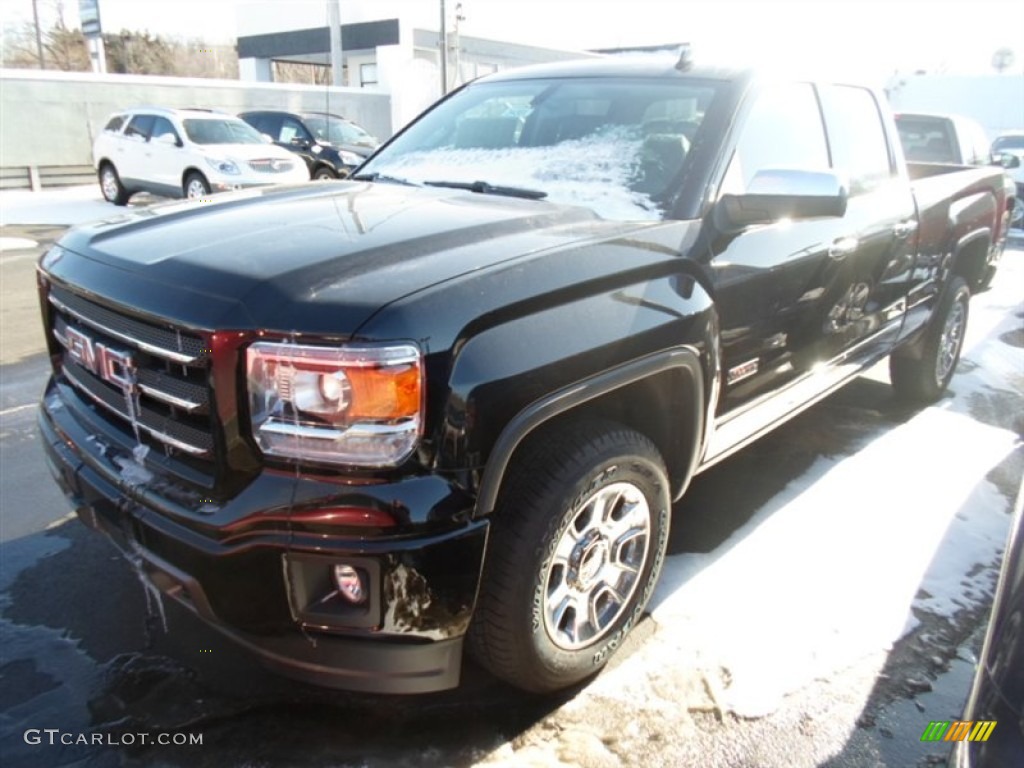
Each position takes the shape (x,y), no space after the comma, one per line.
(86,660)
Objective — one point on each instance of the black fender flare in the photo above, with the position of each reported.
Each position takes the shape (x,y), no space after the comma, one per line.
(682,359)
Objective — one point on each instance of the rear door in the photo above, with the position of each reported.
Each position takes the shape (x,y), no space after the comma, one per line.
(880,225)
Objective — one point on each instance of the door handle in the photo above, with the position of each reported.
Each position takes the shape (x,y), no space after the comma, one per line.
(904,229)
(842,247)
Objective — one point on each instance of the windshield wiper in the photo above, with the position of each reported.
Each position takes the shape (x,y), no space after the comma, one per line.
(382,177)
(483,188)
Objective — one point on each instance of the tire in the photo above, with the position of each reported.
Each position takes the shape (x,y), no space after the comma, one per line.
(1017,214)
(986,279)
(196,186)
(582,520)
(110,185)
(324,174)
(923,379)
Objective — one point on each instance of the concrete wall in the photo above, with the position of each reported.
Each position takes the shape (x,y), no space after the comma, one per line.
(50,118)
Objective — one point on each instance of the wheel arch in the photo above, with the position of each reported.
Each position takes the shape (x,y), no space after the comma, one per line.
(971,256)
(660,396)
(188,171)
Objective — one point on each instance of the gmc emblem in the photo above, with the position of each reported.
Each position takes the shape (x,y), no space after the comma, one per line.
(113,365)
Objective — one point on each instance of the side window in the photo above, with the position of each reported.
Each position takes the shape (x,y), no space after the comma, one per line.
(782,131)
(114,124)
(856,136)
(293,129)
(162,127)
(139,127)
(259,122)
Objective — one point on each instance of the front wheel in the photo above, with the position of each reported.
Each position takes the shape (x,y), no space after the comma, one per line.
(924,378)
(196,186)
(576,546)
(324,174)
(110,184)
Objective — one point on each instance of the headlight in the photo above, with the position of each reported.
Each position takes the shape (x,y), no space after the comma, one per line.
(350,158)
(344,405)
(224,166)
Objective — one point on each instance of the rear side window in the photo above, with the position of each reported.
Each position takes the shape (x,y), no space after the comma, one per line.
(114,124)
(783,130)
(139,127)
(856,136)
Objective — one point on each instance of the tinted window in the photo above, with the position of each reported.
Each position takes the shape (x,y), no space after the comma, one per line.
(115,123)
(856,136)
(782,131)
(927,139)
(260,122)
(139,127)
(338,131)
(221,131)
(1004,143)
(162,127)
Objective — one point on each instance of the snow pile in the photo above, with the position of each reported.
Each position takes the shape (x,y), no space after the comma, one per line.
(834,567)
(594,172)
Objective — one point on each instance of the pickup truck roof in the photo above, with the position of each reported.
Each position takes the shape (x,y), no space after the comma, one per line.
(641,65)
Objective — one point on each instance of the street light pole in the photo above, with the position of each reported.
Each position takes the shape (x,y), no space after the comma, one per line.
(444,49)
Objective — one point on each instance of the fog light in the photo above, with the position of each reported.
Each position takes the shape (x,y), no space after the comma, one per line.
(350,584)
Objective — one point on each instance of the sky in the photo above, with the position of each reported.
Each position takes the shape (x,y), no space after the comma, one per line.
(878,36)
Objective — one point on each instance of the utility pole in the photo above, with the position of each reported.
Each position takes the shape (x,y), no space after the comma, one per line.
(458,44)
(444,49)
(39,34)
(337,60)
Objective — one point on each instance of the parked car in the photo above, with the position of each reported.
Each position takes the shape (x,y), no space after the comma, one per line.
(954,139)
(1011,145)
(997,694)
(185,153)
(331,145)
(447,404)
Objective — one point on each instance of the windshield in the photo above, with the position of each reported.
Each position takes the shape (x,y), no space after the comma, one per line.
(1004,143)
(221,131)
(617,146)
(335,130)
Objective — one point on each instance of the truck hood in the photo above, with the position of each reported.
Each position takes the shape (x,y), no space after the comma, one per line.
(320,258)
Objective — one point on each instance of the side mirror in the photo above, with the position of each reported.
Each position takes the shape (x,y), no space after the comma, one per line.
(298,141)
(168,138)
(782,194)
(1006,160)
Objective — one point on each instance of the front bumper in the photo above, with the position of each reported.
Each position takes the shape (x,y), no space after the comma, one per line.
(261,581)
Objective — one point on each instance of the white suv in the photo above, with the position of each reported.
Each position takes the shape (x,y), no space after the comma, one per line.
(186,153)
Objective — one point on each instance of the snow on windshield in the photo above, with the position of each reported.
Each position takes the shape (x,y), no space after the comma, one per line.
(596,171)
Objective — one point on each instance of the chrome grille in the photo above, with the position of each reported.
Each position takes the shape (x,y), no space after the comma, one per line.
(152,380)
(271,165)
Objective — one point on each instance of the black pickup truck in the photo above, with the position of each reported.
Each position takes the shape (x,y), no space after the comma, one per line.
(358,425)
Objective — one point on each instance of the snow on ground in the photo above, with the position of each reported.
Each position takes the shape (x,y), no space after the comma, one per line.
(16,243)
(65,206)
(830,570)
